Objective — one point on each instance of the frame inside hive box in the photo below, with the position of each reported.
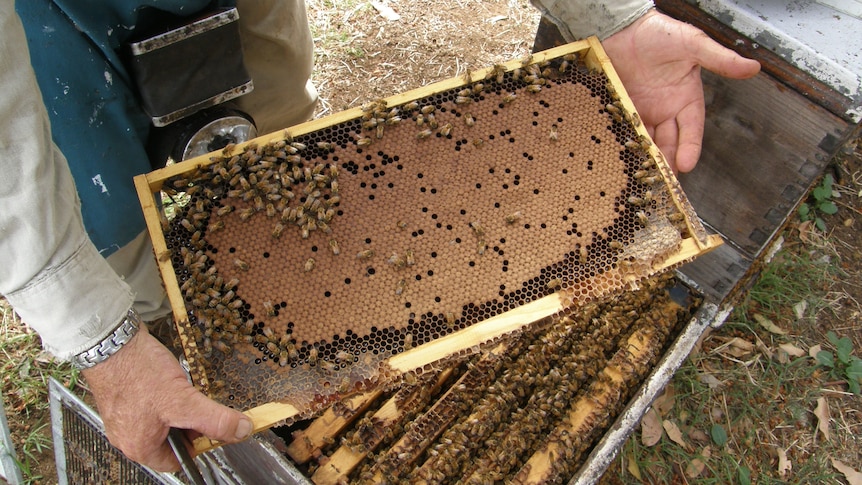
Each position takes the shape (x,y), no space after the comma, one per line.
(384,240)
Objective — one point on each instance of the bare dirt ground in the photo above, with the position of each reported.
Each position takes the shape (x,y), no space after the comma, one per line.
(362,55)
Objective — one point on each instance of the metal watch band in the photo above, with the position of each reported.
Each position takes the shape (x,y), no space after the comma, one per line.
(111,344)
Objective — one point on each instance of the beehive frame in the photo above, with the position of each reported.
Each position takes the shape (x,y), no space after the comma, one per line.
(661,230)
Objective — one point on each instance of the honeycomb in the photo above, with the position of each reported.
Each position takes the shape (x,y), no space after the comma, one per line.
(305,261)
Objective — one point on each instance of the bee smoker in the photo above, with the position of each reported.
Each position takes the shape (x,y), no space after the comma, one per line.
(186,77)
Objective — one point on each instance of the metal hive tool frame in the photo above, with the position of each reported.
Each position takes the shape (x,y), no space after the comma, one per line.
(667,217)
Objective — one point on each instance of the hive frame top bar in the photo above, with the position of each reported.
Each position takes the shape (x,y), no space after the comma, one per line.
(486,331)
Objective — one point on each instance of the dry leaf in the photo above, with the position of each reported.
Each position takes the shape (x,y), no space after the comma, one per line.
(768,325)
(674,433)
(698,435)
(814,350)
(799,309)
(696,466)
(632,466)
(737,347)
(823,417)
(853,477)
(651,429)
(784,465)
(792,350)
(664,403)
(710,380)
(806,228)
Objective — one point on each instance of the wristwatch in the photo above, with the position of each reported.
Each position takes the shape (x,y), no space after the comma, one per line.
(111,344)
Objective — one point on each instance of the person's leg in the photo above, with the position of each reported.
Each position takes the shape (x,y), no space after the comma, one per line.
(136,264)
(277,48)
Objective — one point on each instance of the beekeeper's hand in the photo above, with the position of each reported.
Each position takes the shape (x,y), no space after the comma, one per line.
(658,60)
(141,392)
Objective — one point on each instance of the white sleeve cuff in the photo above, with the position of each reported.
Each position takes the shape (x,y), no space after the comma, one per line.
(581,19)
(88,300)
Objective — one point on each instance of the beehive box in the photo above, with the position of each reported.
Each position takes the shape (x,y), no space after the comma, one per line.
(386,240)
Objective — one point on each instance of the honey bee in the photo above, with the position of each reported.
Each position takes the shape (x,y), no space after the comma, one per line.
(583,255)
(463,99)
(408,341)
(533,88)
(636,119)
(369,124)
(221,347)
(269,308)
(240,264)
(513,217)
(481,247)
(187,225)
(401,224)
(409,257)
(650,180)
(564,66)
(554,134)
(497,73)
(224,210)
(333,186)
(333,245)
(445,129)
(509,98)
(527,60)
(432,121)
(615,244)
(465,92)
(420,120)
(283,358)
(270,210)
(277,230)
(424,134)
(642,218)
(676,217)
(231,284)
(633,145)
(324,146)
(309,264)
(397,261)
(394,120)
(450,319)
(215,226)
(411,106)
(313,354)
(478,143)
(633,200)
(469,120)
(165,255)
(400,287)
(379,132)
(363,142)
(554,283)
(478,229)
(426,110)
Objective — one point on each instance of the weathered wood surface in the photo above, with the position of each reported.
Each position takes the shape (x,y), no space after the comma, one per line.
(763,147)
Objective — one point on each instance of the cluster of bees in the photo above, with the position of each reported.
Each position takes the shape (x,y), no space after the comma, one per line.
(510,404)
(271,180)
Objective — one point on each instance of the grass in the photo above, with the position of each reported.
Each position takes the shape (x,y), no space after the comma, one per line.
(747,404)
(25,370)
